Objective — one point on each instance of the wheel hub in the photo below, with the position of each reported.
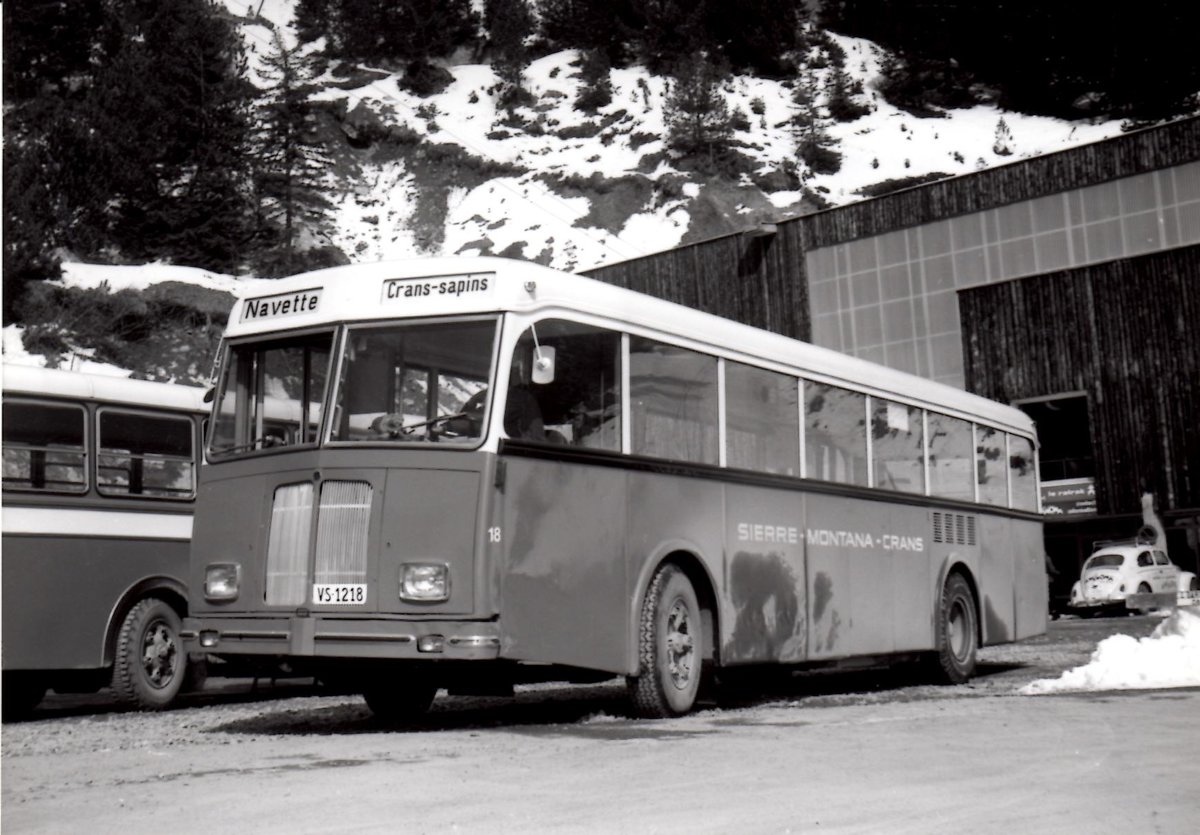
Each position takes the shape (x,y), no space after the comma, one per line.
(680,646)
(159,655)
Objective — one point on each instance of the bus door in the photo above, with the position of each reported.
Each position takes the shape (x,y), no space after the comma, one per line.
(561,512)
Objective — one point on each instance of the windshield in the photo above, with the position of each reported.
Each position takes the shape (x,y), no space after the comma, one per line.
(417,383)
(1106,561)
(270,394)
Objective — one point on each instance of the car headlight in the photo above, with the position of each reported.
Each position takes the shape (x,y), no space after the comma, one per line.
(221,581)
(424,582)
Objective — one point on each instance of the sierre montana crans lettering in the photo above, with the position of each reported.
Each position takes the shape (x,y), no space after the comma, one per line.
(790,535)
(304,301)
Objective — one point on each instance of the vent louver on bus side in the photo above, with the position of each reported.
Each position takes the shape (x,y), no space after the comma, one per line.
(287,545)
(342,528)
(953,528)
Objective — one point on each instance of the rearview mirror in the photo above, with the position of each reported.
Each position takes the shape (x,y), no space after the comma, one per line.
(543,365)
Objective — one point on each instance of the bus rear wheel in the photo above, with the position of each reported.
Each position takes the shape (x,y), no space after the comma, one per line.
(957,632)
(669,648)
(150,662)
(395,697)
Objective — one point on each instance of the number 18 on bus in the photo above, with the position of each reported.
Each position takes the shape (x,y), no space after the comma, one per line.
(470,473)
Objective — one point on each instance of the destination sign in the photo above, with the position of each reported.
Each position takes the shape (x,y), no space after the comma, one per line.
(281,305)
(439,287)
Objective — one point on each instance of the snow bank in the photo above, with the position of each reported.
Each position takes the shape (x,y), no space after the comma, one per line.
(1169,657)
(139,277)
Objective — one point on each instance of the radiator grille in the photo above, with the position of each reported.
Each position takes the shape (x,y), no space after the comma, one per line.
(953,528)
(287,545)
(342,527)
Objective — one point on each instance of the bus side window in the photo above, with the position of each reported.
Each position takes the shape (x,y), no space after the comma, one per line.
(1022,474)
(897,459)
(581,405)
(951,458)
(835,438)
(991,473)
(44,447)
(762,420)
(141,454)
(673,402)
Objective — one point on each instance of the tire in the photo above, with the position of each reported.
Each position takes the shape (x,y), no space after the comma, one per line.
(397,698)
(957,632)
(670,648)
(21,695)
(151,663)
(1143,588)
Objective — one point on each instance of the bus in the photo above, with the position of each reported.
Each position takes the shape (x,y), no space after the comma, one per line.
(99,486)
(492,473)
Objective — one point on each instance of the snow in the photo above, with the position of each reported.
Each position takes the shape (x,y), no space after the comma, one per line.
(519,214)
(1169,657)
(139,277)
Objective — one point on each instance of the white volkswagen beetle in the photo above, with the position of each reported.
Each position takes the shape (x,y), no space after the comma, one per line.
(1116,571)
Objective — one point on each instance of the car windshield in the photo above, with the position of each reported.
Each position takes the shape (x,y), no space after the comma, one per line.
(270,394)
(1106,561)
(415,383)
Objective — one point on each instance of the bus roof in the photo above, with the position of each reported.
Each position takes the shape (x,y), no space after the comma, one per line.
(76,385)
(464,285)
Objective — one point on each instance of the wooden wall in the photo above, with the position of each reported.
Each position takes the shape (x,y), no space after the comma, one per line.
(763,281)
(756,280)
(1126,332)
(1121,156)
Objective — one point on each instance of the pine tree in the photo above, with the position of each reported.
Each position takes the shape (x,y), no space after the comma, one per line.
(31,211)
(840,90)
(603,25)
(289,159)
(756,35)
(169,117)
(669,30)
(509,23)
(697,117)
(1004,139)
(813,144)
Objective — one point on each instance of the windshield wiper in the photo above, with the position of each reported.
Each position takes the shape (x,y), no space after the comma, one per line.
(408,430)
(393,425)
(265,442)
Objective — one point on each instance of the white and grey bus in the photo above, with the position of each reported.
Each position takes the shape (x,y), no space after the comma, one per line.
(465,473)
(99,485)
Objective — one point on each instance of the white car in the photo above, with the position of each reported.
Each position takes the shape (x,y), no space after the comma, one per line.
(1116,571)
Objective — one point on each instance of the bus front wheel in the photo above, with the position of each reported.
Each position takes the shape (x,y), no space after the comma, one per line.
(669,648)
(150,661)
(957,632)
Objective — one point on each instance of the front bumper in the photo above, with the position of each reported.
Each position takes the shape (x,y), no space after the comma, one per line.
(317,636)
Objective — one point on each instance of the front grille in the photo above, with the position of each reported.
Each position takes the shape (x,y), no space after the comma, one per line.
(342,527)
(287,546)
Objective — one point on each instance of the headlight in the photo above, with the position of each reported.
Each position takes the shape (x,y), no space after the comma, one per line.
(424,582)
(221,581)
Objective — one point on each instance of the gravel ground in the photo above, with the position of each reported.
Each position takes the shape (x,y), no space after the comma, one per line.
(242,709)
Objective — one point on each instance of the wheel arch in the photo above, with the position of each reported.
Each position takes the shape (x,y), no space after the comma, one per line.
(168,589)
(686,558)
(957,566)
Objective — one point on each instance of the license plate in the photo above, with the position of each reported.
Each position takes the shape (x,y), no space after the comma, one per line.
(339,594)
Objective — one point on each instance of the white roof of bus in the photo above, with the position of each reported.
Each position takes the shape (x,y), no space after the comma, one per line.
(75,385)
(361,293)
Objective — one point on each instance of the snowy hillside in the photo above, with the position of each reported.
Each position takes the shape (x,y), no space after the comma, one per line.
(454,173)
(581,190)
